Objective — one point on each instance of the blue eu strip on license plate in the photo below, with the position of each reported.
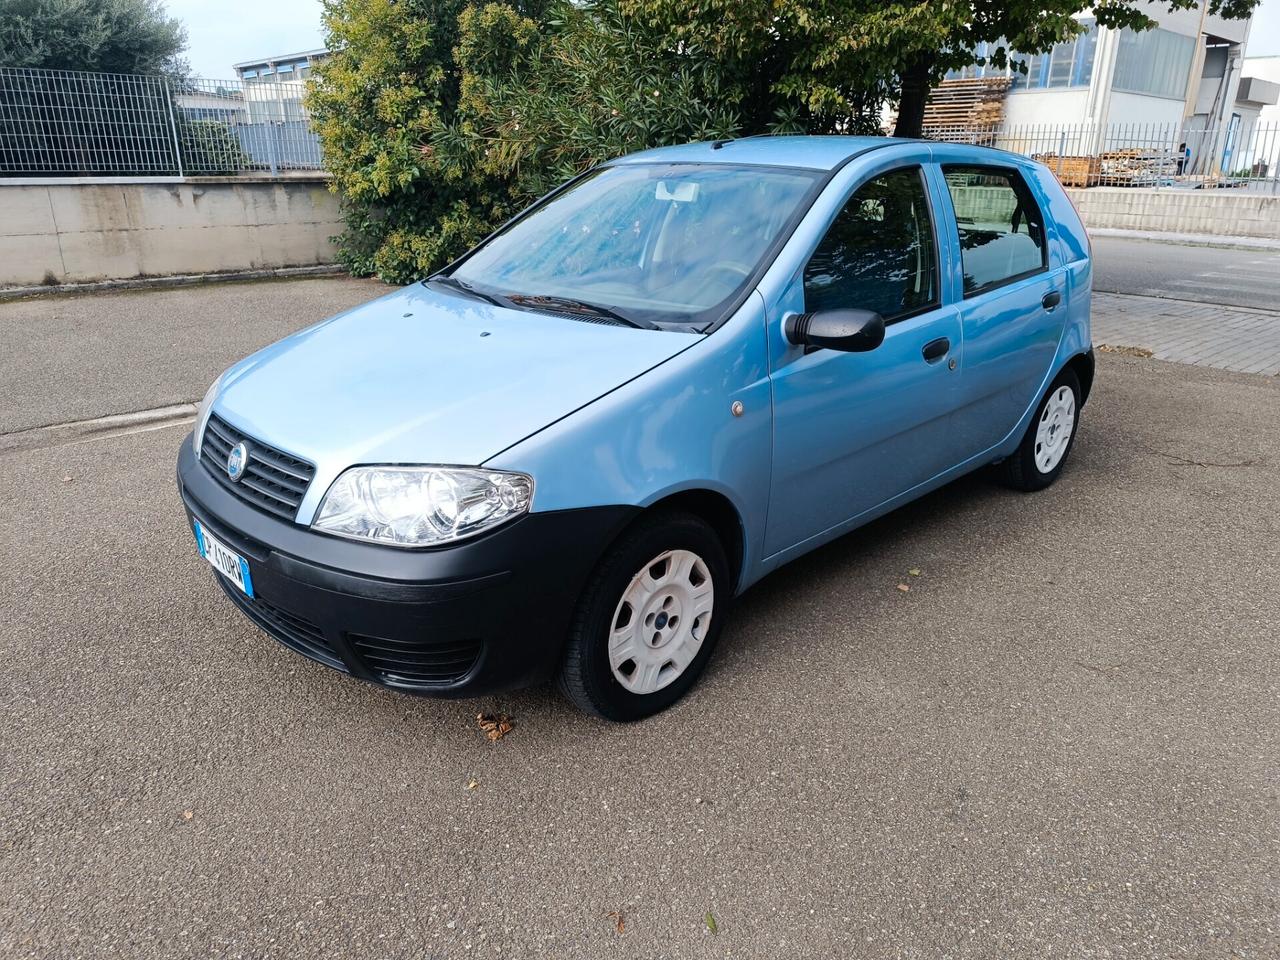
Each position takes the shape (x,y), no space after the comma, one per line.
(226,561)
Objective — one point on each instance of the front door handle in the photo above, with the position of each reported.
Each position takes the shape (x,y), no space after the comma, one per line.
(1051,299)
(935,350)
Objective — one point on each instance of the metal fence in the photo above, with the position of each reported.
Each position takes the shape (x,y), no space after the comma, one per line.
(71,123)
(1236,155)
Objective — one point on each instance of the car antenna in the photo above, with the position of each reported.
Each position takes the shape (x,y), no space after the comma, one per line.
(717,144)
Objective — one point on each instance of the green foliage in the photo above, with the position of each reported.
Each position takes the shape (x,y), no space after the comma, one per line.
(539,105)
(439,120)
(113,36)
(814,66)
(375,104)
(209,147)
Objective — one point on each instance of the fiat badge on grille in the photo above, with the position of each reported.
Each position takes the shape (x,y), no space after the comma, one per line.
(237,460)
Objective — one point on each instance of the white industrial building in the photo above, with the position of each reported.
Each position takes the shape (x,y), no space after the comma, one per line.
(1186,68)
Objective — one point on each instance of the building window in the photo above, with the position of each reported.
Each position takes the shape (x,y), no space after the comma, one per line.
(980,67)
(1068,64)
(1155,62)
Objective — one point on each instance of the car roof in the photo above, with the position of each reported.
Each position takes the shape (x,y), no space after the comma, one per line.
(813,153)
(809,152)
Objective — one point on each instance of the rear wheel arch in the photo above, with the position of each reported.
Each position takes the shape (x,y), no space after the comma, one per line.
(1082,364)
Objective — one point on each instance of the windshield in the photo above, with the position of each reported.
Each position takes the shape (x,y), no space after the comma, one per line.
(642,243)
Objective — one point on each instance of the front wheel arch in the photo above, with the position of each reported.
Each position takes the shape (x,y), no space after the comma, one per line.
(719,513)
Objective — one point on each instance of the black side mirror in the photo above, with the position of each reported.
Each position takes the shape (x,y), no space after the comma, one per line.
(853,331)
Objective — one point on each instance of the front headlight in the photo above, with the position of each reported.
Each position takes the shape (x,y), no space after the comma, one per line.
(202,412)
(421,506)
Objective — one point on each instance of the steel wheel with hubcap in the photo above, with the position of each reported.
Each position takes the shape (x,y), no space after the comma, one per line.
(1043,452)
(661,621)
(1054,428)
(648,620)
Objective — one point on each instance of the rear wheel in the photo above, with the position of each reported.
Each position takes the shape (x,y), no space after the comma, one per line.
(1048,440)
(648,620)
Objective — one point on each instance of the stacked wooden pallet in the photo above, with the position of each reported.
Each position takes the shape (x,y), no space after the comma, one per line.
(1072,171)
(1136,167)
(970,103)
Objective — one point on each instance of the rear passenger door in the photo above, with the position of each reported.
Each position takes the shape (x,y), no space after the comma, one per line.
(1011,286)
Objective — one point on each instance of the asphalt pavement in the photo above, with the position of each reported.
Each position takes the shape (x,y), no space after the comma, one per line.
(1060,742)
(92,355)
(1238,277)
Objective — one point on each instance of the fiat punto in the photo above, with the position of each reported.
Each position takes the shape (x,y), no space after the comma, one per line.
(566,453)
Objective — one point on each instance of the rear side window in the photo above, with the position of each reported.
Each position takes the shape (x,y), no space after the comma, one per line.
(1001,227)
(879,253)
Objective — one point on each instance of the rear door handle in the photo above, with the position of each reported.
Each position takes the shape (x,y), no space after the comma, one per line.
(935,350)
(1051,299)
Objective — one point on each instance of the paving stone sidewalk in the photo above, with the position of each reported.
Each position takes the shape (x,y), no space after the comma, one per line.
(1201,334)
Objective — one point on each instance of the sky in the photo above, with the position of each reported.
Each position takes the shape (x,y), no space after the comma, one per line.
(223,32)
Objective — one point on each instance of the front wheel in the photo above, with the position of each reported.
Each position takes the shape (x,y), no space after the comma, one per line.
(648,620)
(1044,449)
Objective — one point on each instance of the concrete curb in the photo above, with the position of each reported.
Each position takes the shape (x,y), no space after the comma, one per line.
(78,431)
(1189,239)
(179,280)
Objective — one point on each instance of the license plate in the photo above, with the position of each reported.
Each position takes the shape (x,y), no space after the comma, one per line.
(228,563)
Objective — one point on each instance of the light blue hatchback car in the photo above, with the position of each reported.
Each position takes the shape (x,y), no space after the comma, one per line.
(565,454)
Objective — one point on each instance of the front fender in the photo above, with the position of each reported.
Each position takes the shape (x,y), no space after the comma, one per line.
(670,430)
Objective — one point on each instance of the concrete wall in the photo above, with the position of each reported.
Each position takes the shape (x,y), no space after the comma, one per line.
(74,232)
(1219,212)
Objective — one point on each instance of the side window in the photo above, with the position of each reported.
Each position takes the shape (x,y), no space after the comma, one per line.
(879,253)
(1001,227)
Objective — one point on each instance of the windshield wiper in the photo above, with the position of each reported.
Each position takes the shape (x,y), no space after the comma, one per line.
(570,305)
(456,284)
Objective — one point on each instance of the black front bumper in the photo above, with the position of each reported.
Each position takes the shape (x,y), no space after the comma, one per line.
(479,616)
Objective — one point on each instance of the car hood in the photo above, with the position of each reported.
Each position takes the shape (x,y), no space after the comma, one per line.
(426,376)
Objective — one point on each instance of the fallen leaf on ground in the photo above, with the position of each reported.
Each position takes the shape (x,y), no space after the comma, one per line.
(711,923)
(187,814)
(914,572)
(904,588)
(68,479)
(495,725)
(618,920)
(472,784)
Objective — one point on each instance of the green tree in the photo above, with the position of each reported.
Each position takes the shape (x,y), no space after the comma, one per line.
(540,103)
(113,36)
(830,63)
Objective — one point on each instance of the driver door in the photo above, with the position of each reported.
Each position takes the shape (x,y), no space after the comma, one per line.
(854,431)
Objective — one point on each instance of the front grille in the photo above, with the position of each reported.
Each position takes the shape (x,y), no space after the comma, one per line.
(293,631)
(273,480)
(416,664)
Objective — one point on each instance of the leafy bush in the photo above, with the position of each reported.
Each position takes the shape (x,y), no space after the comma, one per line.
(209,147)
(438,128)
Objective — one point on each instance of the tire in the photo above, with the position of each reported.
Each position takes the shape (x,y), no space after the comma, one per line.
(667,620)
(1043,452)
